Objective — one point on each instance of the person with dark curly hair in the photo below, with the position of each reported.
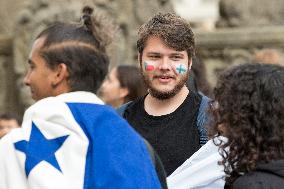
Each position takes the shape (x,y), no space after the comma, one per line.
(69,138)
(249,112)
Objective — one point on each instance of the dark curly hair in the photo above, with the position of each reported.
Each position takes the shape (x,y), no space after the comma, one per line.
(250,114)
(172,29)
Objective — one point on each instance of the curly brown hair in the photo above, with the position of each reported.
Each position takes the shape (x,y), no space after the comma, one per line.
(250,112)
(172,29)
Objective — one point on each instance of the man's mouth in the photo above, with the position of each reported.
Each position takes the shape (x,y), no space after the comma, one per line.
(164,78)
(32,91)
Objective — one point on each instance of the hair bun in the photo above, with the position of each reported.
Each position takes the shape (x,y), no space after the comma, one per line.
(98,25)
(88,10)
(86,18)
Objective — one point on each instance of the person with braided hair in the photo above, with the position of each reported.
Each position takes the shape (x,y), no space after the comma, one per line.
(69,139)
(249,112)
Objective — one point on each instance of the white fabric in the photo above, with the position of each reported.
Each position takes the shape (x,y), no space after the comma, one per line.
(46,114)
(200,171)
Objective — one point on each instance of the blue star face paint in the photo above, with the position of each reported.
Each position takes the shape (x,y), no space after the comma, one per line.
(181,68)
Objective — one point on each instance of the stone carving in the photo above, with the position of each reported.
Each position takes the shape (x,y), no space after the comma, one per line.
(244,27)
(251,13)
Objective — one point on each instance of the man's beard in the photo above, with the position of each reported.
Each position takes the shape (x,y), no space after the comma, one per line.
(168,94)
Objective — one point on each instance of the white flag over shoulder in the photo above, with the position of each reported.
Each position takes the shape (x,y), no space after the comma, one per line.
(200,171)
(73,141)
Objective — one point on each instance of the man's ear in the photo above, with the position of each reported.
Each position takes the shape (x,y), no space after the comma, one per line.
(61,74)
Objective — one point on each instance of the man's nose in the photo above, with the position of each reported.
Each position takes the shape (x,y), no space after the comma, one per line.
(27,79)
(165,63)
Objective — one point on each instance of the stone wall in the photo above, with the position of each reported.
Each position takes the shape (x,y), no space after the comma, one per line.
(244,28)
(243,13)
(9,100)
(225,47)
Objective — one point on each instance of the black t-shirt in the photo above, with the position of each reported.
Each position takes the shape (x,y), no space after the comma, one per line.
(174,136)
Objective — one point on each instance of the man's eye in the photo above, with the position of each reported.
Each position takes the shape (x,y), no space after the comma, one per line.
(154,56)
(31,66)
(176,57)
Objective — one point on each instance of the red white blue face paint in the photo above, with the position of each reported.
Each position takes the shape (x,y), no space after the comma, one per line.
(180,69)
(148,66)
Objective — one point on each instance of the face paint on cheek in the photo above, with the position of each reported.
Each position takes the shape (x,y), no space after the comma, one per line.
(181,69)
(148,66)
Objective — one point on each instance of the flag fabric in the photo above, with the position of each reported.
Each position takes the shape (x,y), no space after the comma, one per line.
(201,170)
(73,141)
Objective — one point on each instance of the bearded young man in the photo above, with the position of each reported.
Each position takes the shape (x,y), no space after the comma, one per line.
(170,116)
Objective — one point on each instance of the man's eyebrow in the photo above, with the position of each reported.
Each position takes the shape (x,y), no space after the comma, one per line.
(153,53)
(177,54)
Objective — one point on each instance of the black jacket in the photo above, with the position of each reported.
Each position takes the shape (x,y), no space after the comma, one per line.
(266,176)
(158,165)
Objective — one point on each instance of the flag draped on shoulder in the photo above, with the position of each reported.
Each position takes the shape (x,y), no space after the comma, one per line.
(73,141)
(201,170)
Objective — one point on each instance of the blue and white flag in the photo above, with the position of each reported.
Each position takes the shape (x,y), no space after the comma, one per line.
(201,170)
(73,141)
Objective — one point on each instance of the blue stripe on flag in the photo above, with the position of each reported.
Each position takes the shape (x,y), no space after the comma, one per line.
(117,156)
